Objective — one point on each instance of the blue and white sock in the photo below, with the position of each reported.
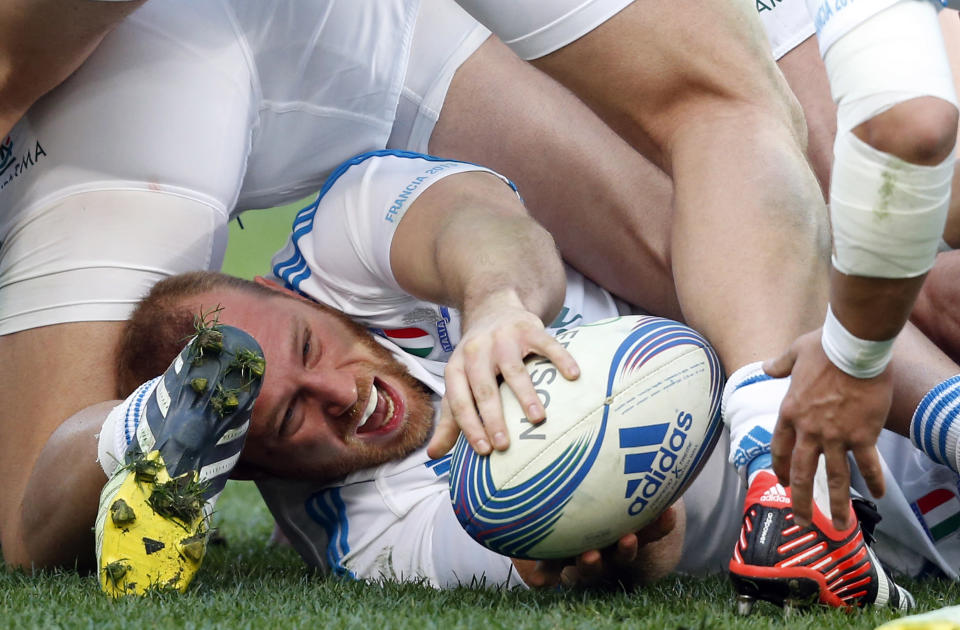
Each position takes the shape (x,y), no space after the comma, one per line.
(935,426)
(126,423)
(121,427)
(751,405)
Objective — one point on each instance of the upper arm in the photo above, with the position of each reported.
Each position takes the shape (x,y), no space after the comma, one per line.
(347,248)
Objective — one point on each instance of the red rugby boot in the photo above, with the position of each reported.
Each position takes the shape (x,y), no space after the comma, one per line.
(790,565)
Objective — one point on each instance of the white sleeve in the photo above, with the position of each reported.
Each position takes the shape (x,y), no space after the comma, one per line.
(339,252)
(379,525)
(427,543)
(460,560)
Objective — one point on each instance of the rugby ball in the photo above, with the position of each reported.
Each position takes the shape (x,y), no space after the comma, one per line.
(618,445)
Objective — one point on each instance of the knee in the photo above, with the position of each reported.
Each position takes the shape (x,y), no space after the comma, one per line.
(771,102)
(921,131)
(37,548)
(15,542)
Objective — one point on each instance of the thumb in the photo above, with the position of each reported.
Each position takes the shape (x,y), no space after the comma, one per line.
(780,367)
(445,433)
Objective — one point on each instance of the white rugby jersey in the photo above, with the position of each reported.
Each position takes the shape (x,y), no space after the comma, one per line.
(339,254)
(787,24)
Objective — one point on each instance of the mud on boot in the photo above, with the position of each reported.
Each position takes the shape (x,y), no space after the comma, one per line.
(188,428)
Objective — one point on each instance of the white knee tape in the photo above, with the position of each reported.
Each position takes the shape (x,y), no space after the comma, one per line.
(887,214)
(895,55)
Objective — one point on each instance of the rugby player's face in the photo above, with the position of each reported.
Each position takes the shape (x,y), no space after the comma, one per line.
(333,400)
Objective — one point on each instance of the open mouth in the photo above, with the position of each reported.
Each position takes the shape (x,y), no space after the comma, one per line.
(383,412)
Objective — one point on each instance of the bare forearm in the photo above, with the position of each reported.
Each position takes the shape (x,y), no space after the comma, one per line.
(503,271)
(486,250)
(515,261)
(873,308)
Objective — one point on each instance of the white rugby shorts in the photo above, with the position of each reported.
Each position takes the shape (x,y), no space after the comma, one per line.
(191,112)
(534,28)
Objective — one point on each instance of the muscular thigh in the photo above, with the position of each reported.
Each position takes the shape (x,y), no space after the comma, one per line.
(47,374)
(656,66)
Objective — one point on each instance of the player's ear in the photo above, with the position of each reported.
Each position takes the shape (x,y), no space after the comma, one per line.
(272,284)
(267,282)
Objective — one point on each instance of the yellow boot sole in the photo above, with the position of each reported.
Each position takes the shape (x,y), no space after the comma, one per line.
(151,532)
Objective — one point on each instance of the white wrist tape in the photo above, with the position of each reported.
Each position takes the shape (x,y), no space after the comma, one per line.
(860,358)
(887,55)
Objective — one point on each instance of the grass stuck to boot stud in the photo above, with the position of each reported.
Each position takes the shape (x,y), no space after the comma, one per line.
(188,428)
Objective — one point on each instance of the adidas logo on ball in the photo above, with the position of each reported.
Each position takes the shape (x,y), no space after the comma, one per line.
(653,466)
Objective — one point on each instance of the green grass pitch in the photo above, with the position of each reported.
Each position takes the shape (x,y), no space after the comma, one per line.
(244,584)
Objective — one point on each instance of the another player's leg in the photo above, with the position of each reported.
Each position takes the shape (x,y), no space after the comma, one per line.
(804,71)
(773,558)
(608,208)
(171,446)
(48,502)
(727,254)
(748,210)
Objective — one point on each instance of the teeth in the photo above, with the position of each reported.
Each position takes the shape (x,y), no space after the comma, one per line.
(371,406)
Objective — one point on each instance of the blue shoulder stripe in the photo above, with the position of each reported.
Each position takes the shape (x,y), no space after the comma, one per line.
(328,510)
